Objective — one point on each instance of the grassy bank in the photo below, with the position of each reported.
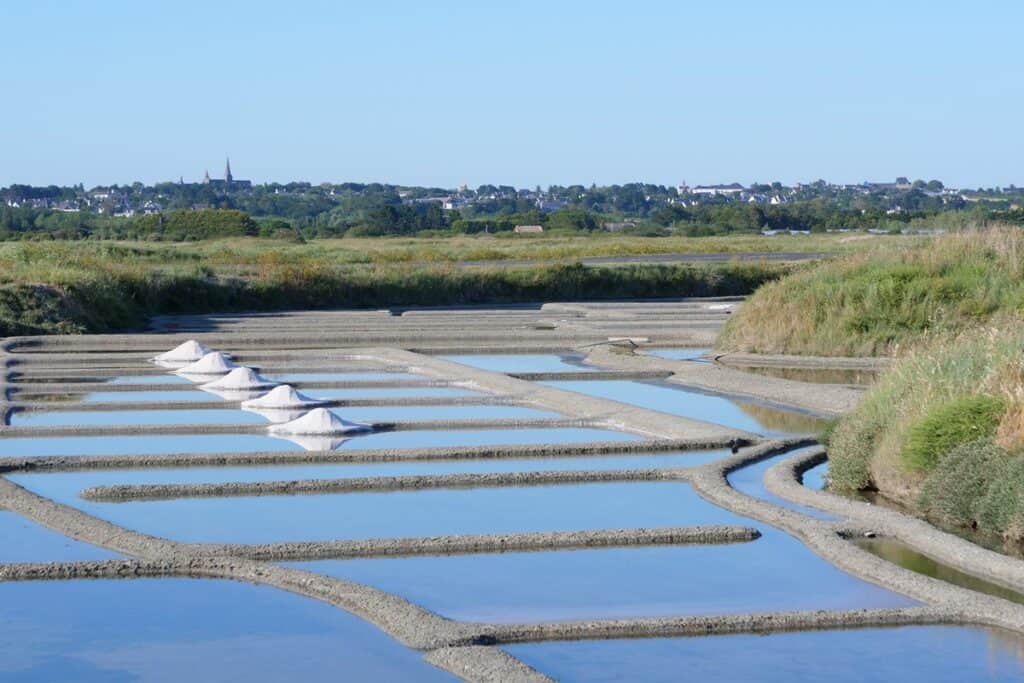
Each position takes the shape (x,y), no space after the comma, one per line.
(942,431)
(872,301)
(242,253)
(68,290)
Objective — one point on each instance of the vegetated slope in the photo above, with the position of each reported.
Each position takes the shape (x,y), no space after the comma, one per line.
(942,431)
(871,302)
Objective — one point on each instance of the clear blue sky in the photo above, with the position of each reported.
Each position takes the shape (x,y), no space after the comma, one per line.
(524,93)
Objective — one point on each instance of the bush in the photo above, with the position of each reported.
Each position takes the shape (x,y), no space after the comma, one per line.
(948,426)
(1001,509)
(961,478)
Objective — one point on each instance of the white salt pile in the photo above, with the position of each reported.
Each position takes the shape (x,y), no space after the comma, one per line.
(319,422)
(187,352)
(213,363)
(283,397)
(240,379)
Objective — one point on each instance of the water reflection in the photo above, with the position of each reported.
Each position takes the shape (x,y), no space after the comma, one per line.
(936,654)
(679,354)
(263,519)
(114,418)
(818,375)
(775,572)
(782,421)
(255,443)
(678,400)
(26,541)
(65,486)
(908,558)
(525,362)
(189,629)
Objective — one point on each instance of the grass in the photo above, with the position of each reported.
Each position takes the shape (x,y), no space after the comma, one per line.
(247,253)
(873,301)
(99,287)
(93,286)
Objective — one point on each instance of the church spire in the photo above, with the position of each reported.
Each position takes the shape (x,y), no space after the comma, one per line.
(227,171)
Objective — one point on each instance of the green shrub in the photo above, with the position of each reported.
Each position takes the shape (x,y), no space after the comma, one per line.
(949,425)
(1001,509)
(825,436)
(961,478)
(851,445)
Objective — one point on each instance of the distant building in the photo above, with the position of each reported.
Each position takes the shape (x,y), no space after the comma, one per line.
(453,203)
(714,190)
(528,229)
(550,204)
(900,184)
(228,180)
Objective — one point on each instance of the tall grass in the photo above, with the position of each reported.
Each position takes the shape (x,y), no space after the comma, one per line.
(397,250)
(88,293)
(871,302)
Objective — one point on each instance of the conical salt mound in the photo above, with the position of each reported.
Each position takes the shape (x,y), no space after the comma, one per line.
(283,397)
(240,379)
(213,363)
(188,352)
(319,422)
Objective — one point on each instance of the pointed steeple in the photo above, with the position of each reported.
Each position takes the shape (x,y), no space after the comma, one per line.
(227,171)
(206,177)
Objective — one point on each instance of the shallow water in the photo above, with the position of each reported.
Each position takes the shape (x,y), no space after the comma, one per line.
(525,362)
(22,540)
(342,376)
(263,519)
(241,417)
(98,418)
(678,354)
(65,486)
(146,396)
(167,378)
(818,375)
(936,654)
(908,558)
(814,478)
(750,480)
(254,443)
(35,379)
(189,629)
(774,572)
(391,392)
(441,412)
(675,400)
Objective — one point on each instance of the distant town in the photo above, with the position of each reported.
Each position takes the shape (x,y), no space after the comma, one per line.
(374,208)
